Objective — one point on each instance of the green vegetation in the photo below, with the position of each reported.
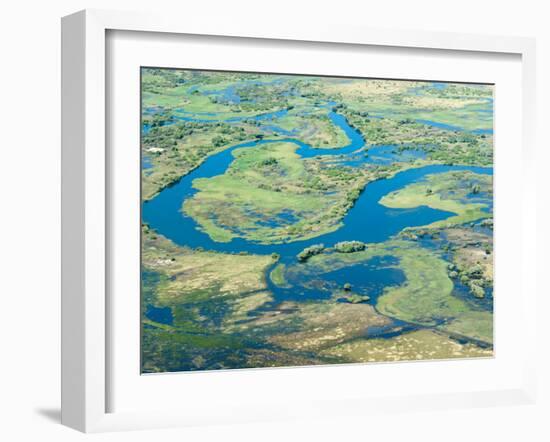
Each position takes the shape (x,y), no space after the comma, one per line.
(446,191)
(354,298)
(315,129)
(348,296)
(463,106)
(417,345)
(177,149)
(426,298)
(202,290)
(190,92)
(470,253)
(472,324)
(212,297)
(270,195)
(472,257)
(441,146)
(206,273)
(277,276)
(349,246)
(310,251)
(314,326)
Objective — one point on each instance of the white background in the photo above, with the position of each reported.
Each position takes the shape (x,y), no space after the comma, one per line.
(29,119)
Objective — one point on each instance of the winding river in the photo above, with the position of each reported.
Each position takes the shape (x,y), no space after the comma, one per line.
(367,221)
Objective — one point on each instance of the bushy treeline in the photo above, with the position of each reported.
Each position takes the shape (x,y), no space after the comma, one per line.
(349,246)
(340,247)
(310,251)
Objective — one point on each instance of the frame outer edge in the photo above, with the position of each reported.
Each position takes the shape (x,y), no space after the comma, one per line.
(83,186)
(73,370)
(530,284)
(83,369)
(95,223)
(134,21)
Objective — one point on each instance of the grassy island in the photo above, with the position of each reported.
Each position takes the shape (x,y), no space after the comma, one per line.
(269,195)
(468,195)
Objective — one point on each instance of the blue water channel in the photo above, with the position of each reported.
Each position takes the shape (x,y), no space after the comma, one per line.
(367,221)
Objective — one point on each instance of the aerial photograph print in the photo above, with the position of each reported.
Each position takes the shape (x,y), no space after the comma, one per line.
(293,220)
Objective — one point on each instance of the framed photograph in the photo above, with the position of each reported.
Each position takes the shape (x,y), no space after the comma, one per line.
(262,223)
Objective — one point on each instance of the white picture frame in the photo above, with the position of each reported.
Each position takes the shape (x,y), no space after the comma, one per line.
(85,211)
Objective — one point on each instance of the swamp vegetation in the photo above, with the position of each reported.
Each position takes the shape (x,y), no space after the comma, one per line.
(296,220)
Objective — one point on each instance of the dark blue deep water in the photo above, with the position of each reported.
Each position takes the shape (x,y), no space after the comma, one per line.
(162,315)
(369,278)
